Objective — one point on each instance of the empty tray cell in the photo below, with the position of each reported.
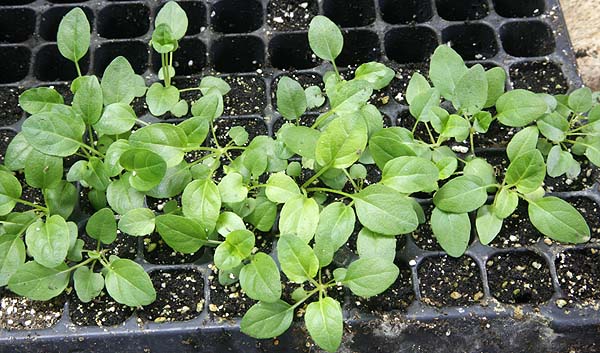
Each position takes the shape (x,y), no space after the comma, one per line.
(410,44)
(350,13)
(248,95)
(539,76)
(15,65)
(16,25)
(196,14)
(462,10)
(519,278)
(236,16)
(291,52)
(135,52)
(51,19)
(405,11)
(237,54)
(360,46)
(291,15)
(123,21)
(188,59)
(527,38)
(521,8)
(472,41)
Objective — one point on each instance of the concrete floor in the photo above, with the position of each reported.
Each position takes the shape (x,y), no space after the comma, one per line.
(583,21)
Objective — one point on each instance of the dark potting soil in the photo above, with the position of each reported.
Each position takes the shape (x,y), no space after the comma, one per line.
(179,296)
(305,120)
(447,281)
(28,194)
(591,213)
(498,160)
(423,236)
(291,15)
(65,91)
(398,297)
(226,302)
(407,121)
(539,76)
(578,272)
(304,78)
(101,311)
(497,136)
(5,137)
(519,278)
(10,112)
(590,175)
(396,90)
(254,127)
(20,313)
(517,230)
(124,246)
(157,252)
(247,96)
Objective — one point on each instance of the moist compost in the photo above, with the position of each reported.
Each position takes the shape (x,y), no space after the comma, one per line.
(5,137)
(226,302)
(10,111)
(423,236)
(20,313)
(578,273)
(517,230)
(247,96)
(590,175)
(100,311)
(539,76)
(157,252)
(124,246)
(291,15)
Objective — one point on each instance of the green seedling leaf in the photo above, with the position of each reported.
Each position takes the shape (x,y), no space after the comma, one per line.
(377,74)
(102,226)
(147,168)
(299,139)
(358,171)
(336,224)
(48,243)
(410,174)
(482,121)
(557,219)
(12,256)
(266,320)
(314,97)
(73,36)
(325,323)
(236,248)
(348,96)
(505,203)
(232,188)
(57,133)
(88,100)
(40,99)
(488,225)
(423,105)
(210,106)
(461,195)
(10,189)
(325,38)
(580,100)
(300,217)
(519,107)
(174,17)
(559,162)
(173,183)
(373,245)
(523,141)
(61,199)
(88,284)
(390,143)
(480,168)
(527,171)
(452,231)
(96,176)
(496,81)
(384,210)
(137,222)
(128,283)
(201,200)
(239,135)
(342,142)
(17,152)
(264,214)
(180,109)
(228,222)
(280,188)
(180,233)
(456,127)
(260,279)
(117,118)
(42,170)
(446,70)
(291,100)
(554,127)
(370,276)
(209,82)
(470,93)
(166,140)
(298,260)
(122,198)
(120,84)
(161,99)
(196,129)
(162,39)
(417,85)
(37,282)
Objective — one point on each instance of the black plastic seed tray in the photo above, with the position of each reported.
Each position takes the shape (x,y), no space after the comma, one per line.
(474,304)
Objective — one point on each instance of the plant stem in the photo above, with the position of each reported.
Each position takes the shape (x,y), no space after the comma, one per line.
(321,118)
(331,191)
(429,132)
(78,68)
(190,89)
(213,242)
(315,176)
(471,139)
(356,188)
(141,122)
(308,295)
(33,205)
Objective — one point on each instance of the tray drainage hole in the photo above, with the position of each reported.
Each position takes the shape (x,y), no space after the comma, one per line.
(350,13)
(135,52)
(123,21)
(291,52)
(527,38)
(522,8)
(539,76)
(360,46)
(50,65)
(405,11)
(51,19)
(461,10)
(519,278)
(16,25)
(189,58)
(238,54)
(236,16)
(196,13)
(410,44)
(471,41)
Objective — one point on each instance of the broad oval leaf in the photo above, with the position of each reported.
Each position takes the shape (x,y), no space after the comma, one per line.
(57,133)
(42,170)
(452,231)
(446,69)
(300,217)
(325,323)
(471,91)
(559,220)
(325,38)
(12,256)
(161,99)
(266,320)
(370,244)
(73,36)
(301,140)
(201,201)
(48,243)
(343,142)
(505,203)
(410,174)
(128,283)
(10,189)
(232,188)
(291,100)
(117,118)
(237,247)
(527,171)
(520,107)
(88,284)
(280,188)
(88,101)
(488,225)
(147,168)
(523,141)
(377,74)
(298,260)
(370,276)
(180,233)
(166,140)
(173,16)
(37,282)
(102,226)
(137,222)
(40,99)
(461,195)
(120,83)
(260,279)
(122,197)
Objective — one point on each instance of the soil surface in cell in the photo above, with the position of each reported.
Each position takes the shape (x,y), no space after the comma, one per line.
(305,80)
(10,112)
(589,175)
(5,137)
(156,251)
(101,311)
(578,273)
(247,95)
(20,313)
(517,230)
(291,15)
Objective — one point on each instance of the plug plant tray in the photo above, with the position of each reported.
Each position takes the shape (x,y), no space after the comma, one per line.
(521,293)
